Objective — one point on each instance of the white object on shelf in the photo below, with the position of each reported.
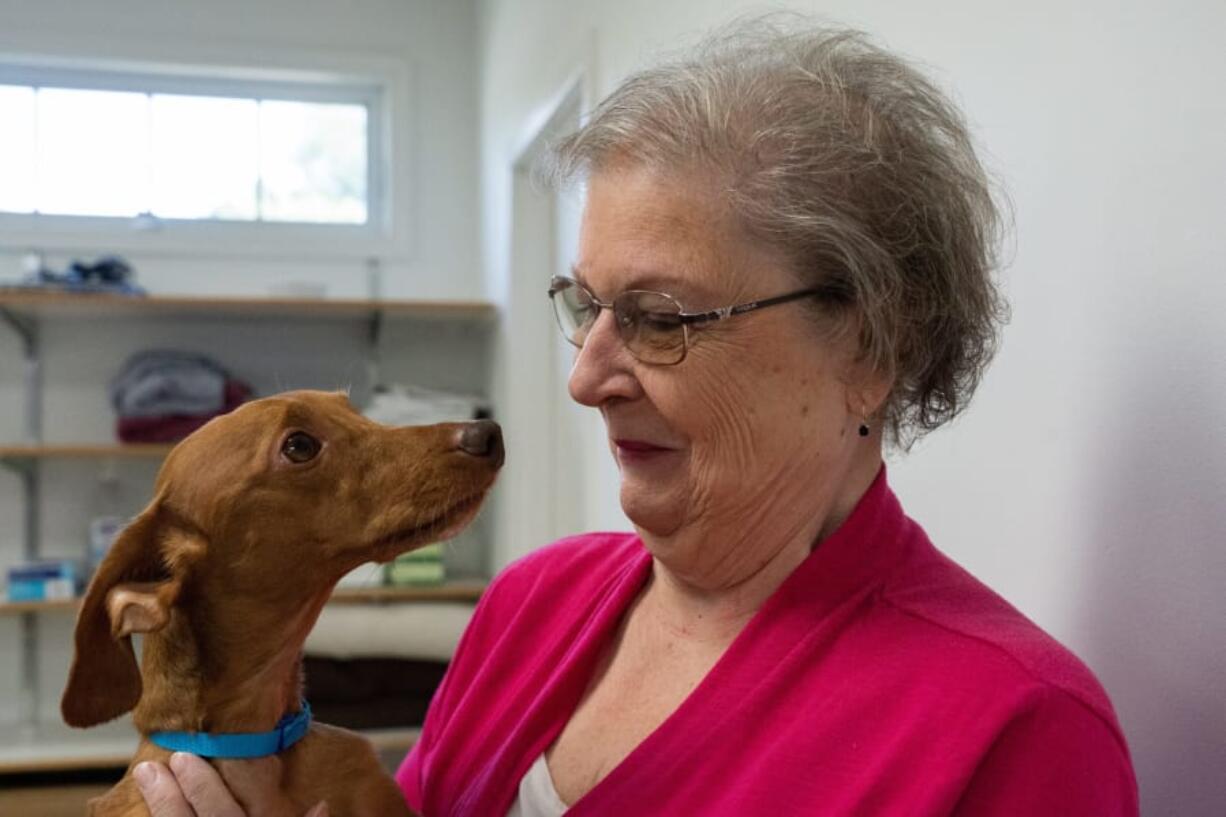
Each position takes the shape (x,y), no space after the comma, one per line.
(103,531)
(421,630)
(298,289)
(401,405)
(369,574)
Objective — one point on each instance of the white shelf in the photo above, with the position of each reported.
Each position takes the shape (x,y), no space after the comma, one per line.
(461,590)
(51,305)
(55,747)
(46,747)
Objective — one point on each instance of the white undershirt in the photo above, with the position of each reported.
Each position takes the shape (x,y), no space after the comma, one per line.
(537,796)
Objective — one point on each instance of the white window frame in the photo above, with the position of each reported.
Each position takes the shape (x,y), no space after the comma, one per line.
(223,237)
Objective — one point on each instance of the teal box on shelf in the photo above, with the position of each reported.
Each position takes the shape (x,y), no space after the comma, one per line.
(48,580)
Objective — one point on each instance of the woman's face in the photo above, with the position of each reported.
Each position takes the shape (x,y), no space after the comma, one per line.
(748,443)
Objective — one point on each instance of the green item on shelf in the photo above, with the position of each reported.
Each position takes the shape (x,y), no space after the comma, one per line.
(421,566)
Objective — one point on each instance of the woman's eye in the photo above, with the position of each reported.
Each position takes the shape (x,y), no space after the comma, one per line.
(660,321)
(300,447)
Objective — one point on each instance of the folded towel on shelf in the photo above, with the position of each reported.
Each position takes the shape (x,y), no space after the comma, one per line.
(162,395)
(371,693)
(378,665)
(174,427)
(160,382)
(427,631)
(404,405)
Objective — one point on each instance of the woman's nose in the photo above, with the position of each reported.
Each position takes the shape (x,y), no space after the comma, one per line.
(603,366)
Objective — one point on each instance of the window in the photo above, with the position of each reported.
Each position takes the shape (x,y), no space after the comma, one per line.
(187,148)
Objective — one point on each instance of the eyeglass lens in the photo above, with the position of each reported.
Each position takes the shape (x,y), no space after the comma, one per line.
(648,323)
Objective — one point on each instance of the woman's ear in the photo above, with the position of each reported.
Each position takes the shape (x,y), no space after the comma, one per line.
(867,392)
(132,592)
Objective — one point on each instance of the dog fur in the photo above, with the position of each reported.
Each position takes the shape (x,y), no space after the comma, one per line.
(226,570)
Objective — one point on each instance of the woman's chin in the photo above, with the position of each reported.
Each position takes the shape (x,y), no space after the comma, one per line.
(651,512)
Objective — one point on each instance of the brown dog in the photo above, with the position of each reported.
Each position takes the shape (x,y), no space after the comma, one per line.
(254,519)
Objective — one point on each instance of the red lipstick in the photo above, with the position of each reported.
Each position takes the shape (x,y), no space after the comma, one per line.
(629,450)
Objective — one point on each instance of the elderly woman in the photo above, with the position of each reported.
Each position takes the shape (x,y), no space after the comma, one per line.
(784,264)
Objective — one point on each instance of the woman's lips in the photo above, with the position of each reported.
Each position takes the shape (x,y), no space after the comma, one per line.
(638,450)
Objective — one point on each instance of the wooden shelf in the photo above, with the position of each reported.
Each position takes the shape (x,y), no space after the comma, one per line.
(468,590)
(461,591)
(59,305)
(58,605)
(84,451)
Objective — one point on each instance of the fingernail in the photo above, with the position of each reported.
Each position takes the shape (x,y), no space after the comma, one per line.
(177,760)
(145,774)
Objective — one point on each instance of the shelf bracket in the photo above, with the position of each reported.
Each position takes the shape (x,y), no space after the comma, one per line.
(374,328)
(28,695)
(27,330)
(20,465)
(24,329)
(374,333)
(33,506)
(27,469)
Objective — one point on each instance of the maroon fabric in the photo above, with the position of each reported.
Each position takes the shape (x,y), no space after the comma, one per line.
(879,679)
(173,428)
(371,693)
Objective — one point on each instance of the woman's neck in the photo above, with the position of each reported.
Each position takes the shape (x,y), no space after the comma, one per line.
(748,561)
(714,615)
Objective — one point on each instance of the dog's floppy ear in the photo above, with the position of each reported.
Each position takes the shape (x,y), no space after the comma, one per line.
(132,592)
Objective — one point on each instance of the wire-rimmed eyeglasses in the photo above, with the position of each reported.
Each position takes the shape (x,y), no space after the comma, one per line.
(653,325)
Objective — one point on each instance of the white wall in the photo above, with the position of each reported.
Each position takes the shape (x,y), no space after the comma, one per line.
(427,47)
(1087,482)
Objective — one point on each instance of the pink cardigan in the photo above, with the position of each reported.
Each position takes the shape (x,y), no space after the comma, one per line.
(879,679)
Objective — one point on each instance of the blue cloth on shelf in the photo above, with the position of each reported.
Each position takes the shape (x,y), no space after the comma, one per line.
(110,275)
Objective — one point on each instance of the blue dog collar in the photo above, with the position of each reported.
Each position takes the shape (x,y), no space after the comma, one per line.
(233,745)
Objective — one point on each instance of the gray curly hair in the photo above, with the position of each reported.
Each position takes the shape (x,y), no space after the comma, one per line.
(851,163)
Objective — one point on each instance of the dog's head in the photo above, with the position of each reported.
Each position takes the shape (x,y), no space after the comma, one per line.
(281,496)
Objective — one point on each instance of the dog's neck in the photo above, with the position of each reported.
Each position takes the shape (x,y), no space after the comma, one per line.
(227,662)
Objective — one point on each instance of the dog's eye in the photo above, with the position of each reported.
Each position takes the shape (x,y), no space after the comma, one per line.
(300,447)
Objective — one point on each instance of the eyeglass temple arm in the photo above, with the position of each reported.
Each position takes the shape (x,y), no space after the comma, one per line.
(830,293)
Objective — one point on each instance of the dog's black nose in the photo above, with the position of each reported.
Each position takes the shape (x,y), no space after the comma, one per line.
(483,438)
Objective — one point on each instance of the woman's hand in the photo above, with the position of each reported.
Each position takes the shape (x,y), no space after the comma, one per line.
(193,788)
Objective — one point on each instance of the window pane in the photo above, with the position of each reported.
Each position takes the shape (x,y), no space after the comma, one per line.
(93,151)
(313,162)
(205,163)
(16,149)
